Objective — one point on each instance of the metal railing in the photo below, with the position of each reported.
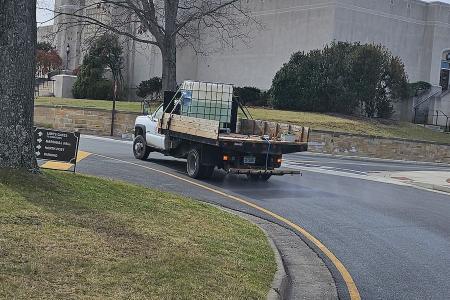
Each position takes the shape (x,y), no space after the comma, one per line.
(440,114)
(422,101)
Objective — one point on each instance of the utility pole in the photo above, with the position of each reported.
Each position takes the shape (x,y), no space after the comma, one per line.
(113,116)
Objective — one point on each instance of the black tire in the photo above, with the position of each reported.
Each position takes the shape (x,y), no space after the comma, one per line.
(194,166)
(140,149)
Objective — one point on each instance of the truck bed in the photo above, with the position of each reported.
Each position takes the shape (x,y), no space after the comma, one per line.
(236,137)
(251,134)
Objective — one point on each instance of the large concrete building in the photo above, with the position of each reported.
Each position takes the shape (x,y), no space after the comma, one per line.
(417,31)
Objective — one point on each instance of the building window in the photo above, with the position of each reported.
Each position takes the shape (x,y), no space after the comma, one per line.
(445,70)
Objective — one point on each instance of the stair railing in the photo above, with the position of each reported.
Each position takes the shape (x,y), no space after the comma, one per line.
(422,101)
(440,113)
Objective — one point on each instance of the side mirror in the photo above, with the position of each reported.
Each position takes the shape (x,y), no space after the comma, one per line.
(145,108)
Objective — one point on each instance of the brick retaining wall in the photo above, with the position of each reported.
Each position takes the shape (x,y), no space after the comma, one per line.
(90,121)
(98,122)
(379,147)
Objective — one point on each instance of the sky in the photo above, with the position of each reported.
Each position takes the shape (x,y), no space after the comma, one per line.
(43,15)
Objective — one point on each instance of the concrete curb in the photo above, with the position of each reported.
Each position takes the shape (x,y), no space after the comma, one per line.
(376,159)
(433,187)
(301,273)
(280,283)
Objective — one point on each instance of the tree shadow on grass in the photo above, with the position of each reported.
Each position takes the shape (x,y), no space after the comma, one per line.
(55,196)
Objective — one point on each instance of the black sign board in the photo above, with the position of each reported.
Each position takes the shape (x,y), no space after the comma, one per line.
(56,145)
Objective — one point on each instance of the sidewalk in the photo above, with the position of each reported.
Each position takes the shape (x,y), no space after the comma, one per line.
(434,180)
(374,159)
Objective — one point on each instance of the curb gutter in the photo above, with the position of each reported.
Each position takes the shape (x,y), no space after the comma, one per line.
(280,284)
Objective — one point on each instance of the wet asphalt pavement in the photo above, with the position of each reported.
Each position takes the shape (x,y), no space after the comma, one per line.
(394,240)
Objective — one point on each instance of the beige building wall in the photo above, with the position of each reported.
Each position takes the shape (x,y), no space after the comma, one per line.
(416,31)
(288,26)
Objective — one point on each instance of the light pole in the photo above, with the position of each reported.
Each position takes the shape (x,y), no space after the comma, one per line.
(67,55)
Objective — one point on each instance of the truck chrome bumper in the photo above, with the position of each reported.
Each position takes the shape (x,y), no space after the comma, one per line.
(259,172)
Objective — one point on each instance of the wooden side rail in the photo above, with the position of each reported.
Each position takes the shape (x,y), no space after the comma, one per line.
(273,129)
(208,129)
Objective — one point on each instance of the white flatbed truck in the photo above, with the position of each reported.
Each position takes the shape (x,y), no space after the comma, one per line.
(200,124)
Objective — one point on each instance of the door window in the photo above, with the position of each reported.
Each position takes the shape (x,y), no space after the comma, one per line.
(158,113)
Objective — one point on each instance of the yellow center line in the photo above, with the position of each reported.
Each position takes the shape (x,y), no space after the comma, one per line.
(351,286)
(54,165)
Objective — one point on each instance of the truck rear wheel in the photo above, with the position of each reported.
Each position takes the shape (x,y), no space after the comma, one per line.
(140,149)
(194,166)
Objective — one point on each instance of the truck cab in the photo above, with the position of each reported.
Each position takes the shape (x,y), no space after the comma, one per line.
(148,128)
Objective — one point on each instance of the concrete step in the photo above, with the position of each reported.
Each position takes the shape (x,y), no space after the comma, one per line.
(436,128)
(46,94)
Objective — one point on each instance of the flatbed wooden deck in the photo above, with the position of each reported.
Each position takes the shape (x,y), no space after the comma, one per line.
(235,137)
(250,132)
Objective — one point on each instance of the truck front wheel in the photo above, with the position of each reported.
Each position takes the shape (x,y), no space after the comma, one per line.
(194,166)
(140,149)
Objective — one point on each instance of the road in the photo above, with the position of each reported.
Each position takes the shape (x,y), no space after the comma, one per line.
(393,239)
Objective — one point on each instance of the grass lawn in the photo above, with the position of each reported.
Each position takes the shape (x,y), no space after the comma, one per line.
(86,103)
(79,237)
(314,120)
(384,128)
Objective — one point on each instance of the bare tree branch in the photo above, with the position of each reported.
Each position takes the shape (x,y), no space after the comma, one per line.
(168,24)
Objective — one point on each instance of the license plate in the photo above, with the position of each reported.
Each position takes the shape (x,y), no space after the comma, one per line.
(249,160)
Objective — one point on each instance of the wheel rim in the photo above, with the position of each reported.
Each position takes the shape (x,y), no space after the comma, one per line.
(192,164)
(138,148)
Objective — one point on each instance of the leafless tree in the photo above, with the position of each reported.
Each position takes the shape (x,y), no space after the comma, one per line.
(17,70)
(167,24)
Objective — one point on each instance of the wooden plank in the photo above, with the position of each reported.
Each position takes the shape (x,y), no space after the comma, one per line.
(193,126)
(273,129)
(253,139)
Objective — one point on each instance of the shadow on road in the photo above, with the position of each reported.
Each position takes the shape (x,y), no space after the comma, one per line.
(219,177)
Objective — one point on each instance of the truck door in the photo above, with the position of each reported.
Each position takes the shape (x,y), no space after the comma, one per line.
(154,139)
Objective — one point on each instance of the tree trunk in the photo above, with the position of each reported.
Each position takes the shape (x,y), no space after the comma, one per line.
(169,76)
(17,77)
(169,47)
